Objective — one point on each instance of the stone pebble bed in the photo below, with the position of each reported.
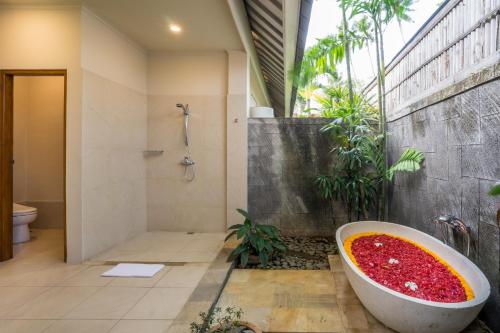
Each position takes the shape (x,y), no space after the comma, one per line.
(304,253)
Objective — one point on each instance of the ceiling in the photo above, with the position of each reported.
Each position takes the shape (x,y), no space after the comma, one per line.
(266,23)
(277,27)
(206,24)
(269,25)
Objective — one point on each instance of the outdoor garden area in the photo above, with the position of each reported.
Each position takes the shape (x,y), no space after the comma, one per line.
(397,150)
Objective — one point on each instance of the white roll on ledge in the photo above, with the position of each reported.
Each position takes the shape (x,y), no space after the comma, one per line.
(261,112)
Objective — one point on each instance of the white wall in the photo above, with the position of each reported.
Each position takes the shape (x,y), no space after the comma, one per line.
(39,147)
(38,139)
(41,38)
(114,136)
(200,80)
(237,137)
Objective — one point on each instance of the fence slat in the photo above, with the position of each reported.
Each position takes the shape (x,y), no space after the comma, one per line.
(461,36)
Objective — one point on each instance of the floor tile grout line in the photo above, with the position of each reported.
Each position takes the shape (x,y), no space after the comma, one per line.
(81,302)
(135,304)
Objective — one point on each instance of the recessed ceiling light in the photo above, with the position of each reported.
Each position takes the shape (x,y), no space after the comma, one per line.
(175,28)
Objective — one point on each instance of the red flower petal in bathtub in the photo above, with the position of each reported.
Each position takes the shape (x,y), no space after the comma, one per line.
(416,272)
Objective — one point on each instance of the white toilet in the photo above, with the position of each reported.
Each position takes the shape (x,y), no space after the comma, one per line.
(21,217)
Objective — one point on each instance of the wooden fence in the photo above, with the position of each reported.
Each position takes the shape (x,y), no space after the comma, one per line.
(459,40)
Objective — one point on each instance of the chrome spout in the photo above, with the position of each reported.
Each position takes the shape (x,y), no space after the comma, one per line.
(449,224)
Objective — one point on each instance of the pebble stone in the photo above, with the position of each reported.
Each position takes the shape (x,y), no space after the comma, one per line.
(304,253)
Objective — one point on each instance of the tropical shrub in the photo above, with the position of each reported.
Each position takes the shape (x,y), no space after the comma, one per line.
(256,240)
(359,172)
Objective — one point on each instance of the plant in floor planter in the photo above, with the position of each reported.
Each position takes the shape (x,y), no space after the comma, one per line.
(223,321)
(258,241)
(359,171)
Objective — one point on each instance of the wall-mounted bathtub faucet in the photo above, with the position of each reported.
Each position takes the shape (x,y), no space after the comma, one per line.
(448,224)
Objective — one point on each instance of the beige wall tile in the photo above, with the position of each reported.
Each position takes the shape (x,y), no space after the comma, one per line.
(114,137)
(185,72)
(173,203)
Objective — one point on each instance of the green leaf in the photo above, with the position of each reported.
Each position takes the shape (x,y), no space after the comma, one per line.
(230,235)
(237,251)
(495,190)
(410,161)
(244,259)
(268,246)
(280,246)
(264,258)
(235,226)
(260,244)
(241,232)
(244,213)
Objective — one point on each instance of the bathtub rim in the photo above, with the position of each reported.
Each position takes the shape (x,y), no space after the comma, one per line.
(480,298)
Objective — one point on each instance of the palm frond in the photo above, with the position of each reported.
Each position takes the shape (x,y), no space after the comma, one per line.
(410,161)
(495,190)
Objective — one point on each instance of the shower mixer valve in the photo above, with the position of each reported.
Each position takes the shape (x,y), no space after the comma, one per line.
(187,161)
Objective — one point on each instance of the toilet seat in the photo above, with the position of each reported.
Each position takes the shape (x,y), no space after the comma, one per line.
(21,210)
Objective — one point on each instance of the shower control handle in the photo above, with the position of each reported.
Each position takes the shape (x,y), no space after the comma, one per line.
(187,161)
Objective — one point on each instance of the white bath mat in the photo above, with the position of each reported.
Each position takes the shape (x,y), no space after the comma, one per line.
(134,270)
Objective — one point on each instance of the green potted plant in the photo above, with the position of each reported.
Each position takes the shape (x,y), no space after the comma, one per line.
(258,242)
(223,321)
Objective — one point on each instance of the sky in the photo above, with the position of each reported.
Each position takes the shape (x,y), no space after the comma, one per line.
(326,17)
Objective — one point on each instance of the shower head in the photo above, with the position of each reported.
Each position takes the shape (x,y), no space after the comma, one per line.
(184,107)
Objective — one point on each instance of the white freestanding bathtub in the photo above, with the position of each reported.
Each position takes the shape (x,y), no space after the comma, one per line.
(407,314)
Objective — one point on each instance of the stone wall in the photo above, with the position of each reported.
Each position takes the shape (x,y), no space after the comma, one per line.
(284,156)
(460,137)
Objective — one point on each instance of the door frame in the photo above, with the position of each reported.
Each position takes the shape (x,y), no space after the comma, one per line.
(7,153)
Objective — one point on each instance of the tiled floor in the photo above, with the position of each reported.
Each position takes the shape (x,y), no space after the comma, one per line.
(40,293)
(161,246)
(303,301)
(291,301)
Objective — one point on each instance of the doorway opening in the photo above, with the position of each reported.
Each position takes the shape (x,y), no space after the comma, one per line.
(32,164)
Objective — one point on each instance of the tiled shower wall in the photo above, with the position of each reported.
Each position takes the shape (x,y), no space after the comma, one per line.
(460,137)
(200,80)
(284,157)
(115,124)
